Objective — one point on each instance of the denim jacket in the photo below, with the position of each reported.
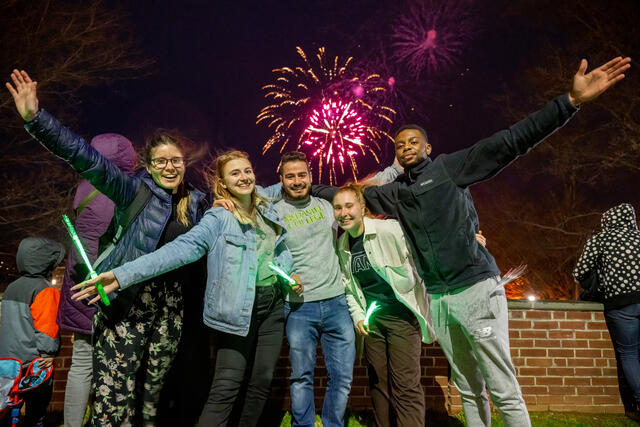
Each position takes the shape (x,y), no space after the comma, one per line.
(231,265)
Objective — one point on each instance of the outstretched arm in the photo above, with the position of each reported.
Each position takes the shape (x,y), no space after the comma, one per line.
(185,249)
(388,174)
(489,156)
(62,142)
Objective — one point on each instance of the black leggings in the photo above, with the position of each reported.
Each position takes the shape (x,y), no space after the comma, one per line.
(256,353)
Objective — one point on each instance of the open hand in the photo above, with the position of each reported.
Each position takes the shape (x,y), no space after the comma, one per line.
(45,362)
(224,203)
(87,289)
(587,87)
(24,94)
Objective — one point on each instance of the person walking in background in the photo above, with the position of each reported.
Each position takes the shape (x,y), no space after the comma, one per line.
(611,258)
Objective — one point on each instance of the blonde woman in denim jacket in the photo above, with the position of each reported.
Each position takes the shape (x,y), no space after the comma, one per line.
(243,298)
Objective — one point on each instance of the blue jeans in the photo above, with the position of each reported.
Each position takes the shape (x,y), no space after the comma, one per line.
(624,327)
(329,321)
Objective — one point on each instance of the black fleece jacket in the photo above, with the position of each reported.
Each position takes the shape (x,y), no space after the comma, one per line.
(431,202)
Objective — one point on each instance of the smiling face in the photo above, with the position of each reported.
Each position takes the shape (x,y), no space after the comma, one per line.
(171,174)
(349,212)
(411,147)
(296,179)
(238,178)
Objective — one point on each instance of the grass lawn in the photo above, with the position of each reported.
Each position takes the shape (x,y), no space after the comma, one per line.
(538,419)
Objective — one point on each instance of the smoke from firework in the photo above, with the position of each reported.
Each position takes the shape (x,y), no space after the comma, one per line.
(431,35)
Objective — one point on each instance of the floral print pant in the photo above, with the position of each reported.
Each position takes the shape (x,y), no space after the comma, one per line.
(132,357)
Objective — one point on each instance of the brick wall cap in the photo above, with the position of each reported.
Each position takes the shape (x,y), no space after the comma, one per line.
(555,305)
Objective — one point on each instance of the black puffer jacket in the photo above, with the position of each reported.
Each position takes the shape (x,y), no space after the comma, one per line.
(615,254)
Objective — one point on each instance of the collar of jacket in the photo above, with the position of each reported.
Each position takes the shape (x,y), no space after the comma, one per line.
(369,227)
(270,213)
(411,174)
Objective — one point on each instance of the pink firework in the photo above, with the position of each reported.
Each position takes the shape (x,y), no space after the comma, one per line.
(431,35)
(336,134)
(329,109)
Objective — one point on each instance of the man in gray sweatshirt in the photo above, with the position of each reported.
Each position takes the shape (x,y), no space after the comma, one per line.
(321,312)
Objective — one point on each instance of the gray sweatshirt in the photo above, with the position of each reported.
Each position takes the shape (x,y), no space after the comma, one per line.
(311,238)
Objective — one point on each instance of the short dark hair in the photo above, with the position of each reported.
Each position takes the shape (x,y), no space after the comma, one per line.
(414,127)
(293,156)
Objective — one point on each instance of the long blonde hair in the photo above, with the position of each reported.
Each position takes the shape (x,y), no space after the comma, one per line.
(220,192)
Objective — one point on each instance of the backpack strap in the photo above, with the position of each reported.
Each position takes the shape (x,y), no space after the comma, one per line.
(86,201)
(132,211)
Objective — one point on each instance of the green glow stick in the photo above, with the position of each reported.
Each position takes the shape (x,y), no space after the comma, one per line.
(373,307)
(282,274)
(83,254)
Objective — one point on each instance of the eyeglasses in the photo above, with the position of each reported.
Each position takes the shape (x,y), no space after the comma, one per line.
(161,162)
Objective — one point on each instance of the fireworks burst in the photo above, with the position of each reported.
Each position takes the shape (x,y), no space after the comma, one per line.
(328,110)
(431,35)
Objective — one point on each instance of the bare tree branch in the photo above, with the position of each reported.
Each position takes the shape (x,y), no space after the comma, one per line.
(65,46)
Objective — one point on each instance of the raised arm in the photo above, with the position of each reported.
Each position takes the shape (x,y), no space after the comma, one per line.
(88,162)
(487,157)
(385,176)
(271,192)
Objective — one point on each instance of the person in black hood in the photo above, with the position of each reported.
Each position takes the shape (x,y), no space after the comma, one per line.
(614,256)
(29,308)
(439,221)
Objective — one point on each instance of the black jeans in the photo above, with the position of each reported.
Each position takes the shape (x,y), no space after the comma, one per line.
(256,354)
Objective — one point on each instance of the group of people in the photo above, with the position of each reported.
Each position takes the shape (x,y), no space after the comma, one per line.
(425,266)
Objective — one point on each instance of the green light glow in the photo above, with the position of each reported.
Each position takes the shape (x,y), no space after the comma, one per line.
(85,259)
(282,274)
(373,307)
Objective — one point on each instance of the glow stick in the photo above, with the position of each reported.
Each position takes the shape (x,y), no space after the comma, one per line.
(85,259)
(373,307)
(282,274)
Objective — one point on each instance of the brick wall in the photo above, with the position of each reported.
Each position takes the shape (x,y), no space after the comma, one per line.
(561,351)
(563,357)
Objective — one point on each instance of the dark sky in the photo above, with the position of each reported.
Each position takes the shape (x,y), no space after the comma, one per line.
(213,57)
